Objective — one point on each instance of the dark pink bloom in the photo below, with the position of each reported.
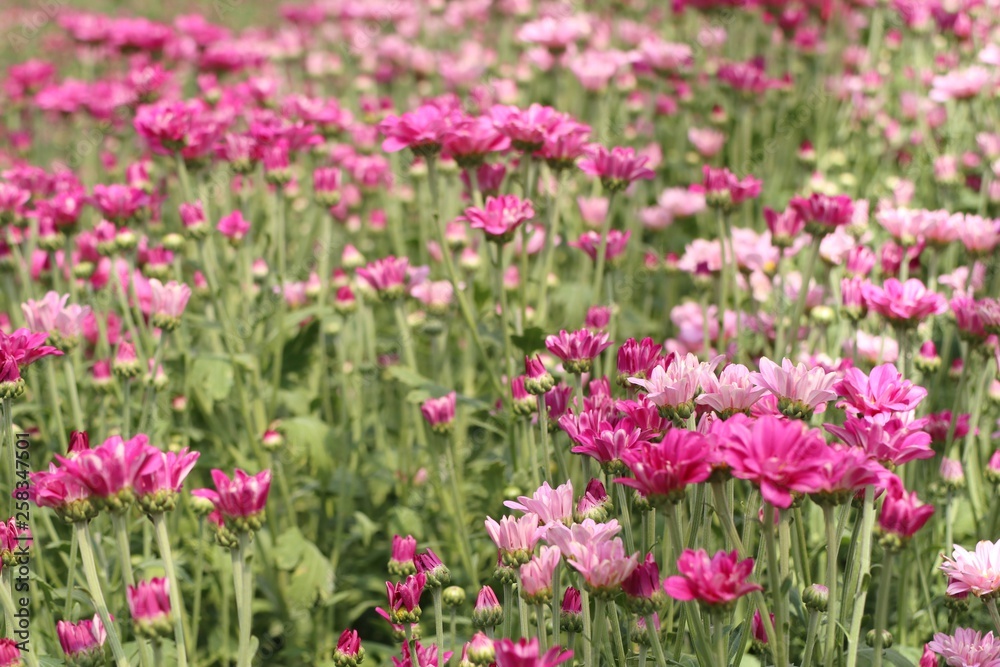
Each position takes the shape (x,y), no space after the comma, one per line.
(421,130)
(617,168)
(784,227)
(241,499)
(716,581)
(724,189)
(902,513)
(527,128)
(82,642)
(888,441)
(158,487)
(404,597)
(882,393)
(823,213)
(386,276)
(348,648)
(119,203)
(637,358)
(24,347)
(781,456)
(439,412)
(10,654)
(665,469)
(113,468)
(590,243)
(149,604)
(233,226)
(402,562)
(427,656)
(500,216)
(578,349)
(470,140)
(525,653)
(644,582)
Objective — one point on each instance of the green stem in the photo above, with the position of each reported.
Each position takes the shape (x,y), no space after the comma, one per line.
(864,576)
(991,604)
(82,531)
(800,302)
(126,407)
(811,637)
(882,607)
(438,622)
(588,628)
(56,409)
(616,632)
(522,617)
(721,649)
(70,576)
(508,611)
(832,549)
(244,601)
(198,580)
(626,518)
(543,636)
(119,521)
(74,396)
(774,579)
(654,639)
(176,603)
(602,251)
(598,626)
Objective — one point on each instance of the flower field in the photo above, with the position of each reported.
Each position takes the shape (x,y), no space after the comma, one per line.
(500,332)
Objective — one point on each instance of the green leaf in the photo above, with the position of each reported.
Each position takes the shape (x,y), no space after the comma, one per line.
(288,552)
(866,656)
(312,579)
(212,380)
(309,435)
(531,340)
(364,528)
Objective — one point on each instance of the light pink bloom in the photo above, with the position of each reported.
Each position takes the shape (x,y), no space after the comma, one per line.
(168,302)
(577,350)
(888,441)
(904,303)
(603,565)
(536,574)
(617,168)
(571,539)
(386,276)
(799,389)
(421,130)
(53,316)
(733,391)
(551,505)
(439,412)
(593,210)
(707,142)
(976,572)
(959,84)
(716,581)
(967,648)
(676,385)
(514,537)
(590,243)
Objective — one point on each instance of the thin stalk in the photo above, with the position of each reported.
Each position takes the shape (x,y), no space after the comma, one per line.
(588,628)
(176,603)
(602,252)
(811,637)
(56,409)
(800,302)
(779,649)
(721,648)
(70,576)
(7,600)
(991,604)
(74,395)
(864,575)
(598,627)
(438,621)
(654,639)
(616,632)
(119,521)
(543,636)
(244,611)
(508,611)
(82,531)
(522,617)
(882,606)
(198,580)
(556,597)
(832,548)
(626,518)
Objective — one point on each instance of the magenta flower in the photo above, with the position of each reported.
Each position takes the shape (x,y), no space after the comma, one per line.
(421,130)
(799,390)
(888,441)
(500,217)
(902,515)
(119,203)
(470,140)
(578,349)
(903,304)
(149,604)
(637,358)
(715,582)
(590,243)
(643,586)
(665,469)
(167,303)
(240,500)
(24,347)
(823,213)
(233,226)
(82,642)
(527,128)
(402,561)
(10,654)
(62,492)
(111,470)
(349,650)
(487,611)
(439,412)
(880,394)
(845,471)
(514,537)
(386,276)
(550,505)
(427,656)
(617,168)
(966,648)
(566,141)
(976,572)
(158,488)
(780,455)
(723,189)
(404,598)
(525,653)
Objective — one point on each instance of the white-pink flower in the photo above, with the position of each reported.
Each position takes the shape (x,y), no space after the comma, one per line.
(551,505)
(976,572)
(796,386)
(52,315)
(731,392)
(168,302)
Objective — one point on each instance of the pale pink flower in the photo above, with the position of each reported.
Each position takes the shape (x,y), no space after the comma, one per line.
(168,302)
(617,168)
(976,572)
(904,303)
(799,389)
(571,539)
(536,574)
(733,391)
(675,386)
(500,216)
(882,393)
(551,505)
(967,648)
(514,537)
(603,565)
(64,323)
(959,84)
(873,349)
(707,142)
